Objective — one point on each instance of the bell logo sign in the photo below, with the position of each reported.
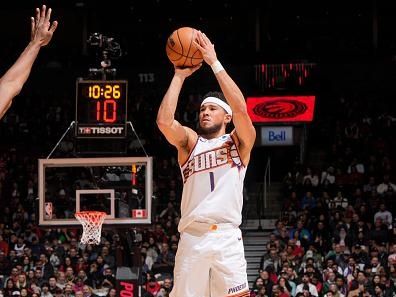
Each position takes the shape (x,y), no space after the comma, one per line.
(277,135)
(272,136)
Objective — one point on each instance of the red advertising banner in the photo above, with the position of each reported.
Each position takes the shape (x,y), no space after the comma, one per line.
(275,109)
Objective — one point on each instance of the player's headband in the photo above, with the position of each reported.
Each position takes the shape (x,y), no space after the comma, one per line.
(219,102)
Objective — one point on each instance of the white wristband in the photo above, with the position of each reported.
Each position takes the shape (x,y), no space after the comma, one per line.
(217,67)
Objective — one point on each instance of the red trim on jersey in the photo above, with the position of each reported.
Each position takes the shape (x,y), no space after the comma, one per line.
(237,148)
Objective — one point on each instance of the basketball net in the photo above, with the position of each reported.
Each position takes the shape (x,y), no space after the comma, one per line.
(92,225)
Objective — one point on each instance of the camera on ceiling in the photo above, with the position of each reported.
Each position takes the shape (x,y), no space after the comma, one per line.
(106,45)
(105,49)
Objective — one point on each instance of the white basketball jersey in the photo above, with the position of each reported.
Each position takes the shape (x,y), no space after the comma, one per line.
(213,183)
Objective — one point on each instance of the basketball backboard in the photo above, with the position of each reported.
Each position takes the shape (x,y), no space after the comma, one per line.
(121,187)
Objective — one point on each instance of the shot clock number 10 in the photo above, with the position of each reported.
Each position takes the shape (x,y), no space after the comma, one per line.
(106,110)
(101,108)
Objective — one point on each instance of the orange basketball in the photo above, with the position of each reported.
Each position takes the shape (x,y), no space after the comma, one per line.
(181,50)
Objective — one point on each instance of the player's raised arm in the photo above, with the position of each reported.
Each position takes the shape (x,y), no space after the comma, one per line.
(13,80)
(183,138)
(244,128)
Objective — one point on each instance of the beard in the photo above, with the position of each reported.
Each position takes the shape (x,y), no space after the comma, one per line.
(209,130)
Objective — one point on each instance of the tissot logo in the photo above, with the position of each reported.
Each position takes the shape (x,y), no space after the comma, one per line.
(280,108)
(100,130)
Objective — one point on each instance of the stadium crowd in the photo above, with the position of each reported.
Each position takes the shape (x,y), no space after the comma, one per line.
(336,235)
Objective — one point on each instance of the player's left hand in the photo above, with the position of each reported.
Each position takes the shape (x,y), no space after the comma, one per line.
(206,47)
(41,28)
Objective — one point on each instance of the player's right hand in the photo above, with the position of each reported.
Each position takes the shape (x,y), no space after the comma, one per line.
(186,72)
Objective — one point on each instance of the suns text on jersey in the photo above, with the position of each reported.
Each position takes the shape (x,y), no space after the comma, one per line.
(207,160)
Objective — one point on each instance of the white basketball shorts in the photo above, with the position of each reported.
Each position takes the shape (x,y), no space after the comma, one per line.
(210,262)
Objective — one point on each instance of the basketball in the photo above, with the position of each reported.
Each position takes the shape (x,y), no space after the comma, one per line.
(181,50)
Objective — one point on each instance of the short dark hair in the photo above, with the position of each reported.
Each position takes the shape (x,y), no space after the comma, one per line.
(216,94)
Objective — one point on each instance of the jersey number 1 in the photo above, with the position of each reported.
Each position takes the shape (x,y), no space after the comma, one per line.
(212,185)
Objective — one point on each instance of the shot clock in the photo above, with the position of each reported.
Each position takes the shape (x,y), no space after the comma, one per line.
(101,108)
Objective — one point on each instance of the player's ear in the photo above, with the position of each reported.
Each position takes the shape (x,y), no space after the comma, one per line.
(227,118)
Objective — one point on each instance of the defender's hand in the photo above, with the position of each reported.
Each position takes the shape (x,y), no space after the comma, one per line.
(41,28)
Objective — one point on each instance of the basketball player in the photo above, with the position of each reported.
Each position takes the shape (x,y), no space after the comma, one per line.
(13,80)
(210,258)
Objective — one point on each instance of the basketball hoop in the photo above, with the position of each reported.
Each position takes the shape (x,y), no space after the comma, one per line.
(92,225)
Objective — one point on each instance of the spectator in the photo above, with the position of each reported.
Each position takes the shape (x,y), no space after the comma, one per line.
(47,269)
(300,234)
(386,187)
(316,281)
(257,285)
(69,292)
(94,276)
(61,280)
(14,274)
(359,167)
(112,293)
(284,287)
(59,293)
(270,258)
(314,179)
(24,292)
(22,282)
(260,293)
(109,280)
(340,202)
(309,201)
(65,264)
(167,284)
(87,291)
(27,264)
(385,215)
(165,260)
(329,277)
(108,258)
(306,283)
(169,211)
(9,288)
(52,285)
(45,290)
(69,274)
(152,286)
(78,285)
(277,292)
(342,287)
(19,246)
(328,177)
(333,290)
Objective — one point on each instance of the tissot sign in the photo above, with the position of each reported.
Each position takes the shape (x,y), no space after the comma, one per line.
(271,109)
